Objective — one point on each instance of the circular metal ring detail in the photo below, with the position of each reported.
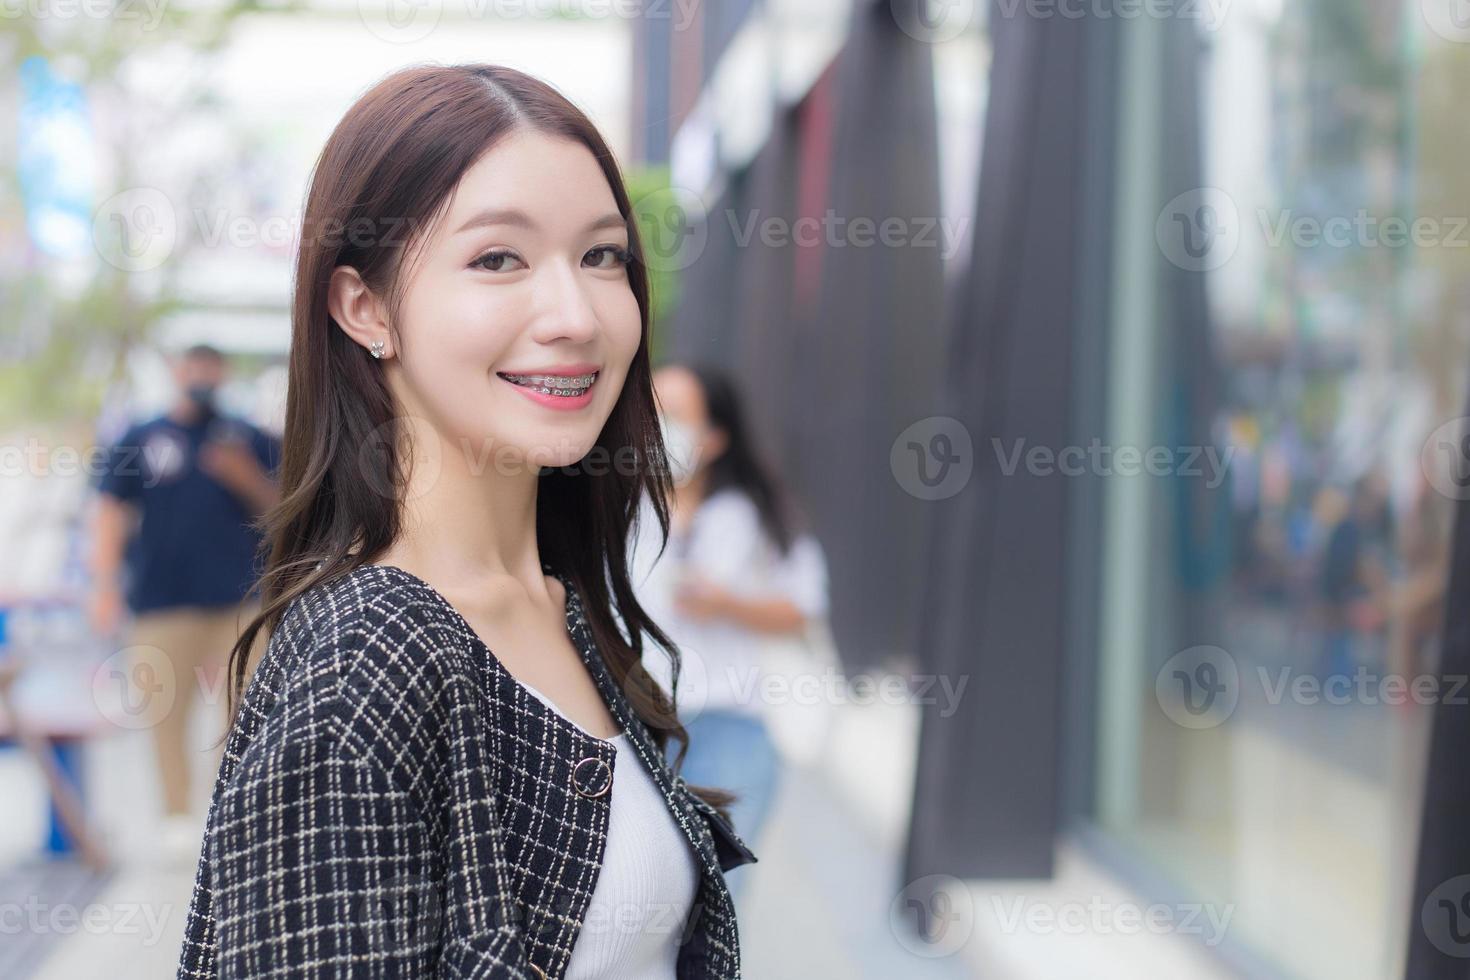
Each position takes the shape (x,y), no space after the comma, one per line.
(588,773)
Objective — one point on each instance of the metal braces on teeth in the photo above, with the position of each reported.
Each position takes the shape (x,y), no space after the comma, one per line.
(537,382)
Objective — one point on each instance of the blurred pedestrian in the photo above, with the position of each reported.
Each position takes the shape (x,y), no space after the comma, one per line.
(174,545)
(1354,578)
(737,572)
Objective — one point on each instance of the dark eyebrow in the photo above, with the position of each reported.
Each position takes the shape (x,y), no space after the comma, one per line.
(519,219)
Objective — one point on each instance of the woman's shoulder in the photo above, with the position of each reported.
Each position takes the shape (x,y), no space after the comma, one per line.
(374,630)
(369,660)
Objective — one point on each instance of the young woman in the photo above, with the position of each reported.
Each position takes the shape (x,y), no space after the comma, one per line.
(449,761)
(735,570)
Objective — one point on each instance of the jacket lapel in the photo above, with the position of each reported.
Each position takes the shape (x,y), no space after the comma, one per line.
(678,800)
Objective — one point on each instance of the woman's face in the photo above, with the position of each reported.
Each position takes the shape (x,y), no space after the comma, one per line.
(521,287)
(690,439)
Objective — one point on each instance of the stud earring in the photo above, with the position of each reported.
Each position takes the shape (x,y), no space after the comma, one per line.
(377,348)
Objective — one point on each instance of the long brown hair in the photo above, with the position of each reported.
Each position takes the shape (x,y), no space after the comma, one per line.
(387,171)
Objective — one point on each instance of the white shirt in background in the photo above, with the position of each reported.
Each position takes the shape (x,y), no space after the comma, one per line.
(725,544)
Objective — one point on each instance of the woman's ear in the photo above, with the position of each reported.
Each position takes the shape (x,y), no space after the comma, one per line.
(357,310)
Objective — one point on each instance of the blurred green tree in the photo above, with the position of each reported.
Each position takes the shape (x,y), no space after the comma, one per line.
(649,191)
(68,324)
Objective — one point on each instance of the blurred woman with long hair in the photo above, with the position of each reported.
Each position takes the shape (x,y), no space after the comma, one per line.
(738,569)
(449,761)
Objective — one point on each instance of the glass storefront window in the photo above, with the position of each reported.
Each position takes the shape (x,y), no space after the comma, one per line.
(1269,615)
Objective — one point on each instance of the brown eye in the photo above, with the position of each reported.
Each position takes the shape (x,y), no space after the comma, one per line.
(620,256)
(494,261)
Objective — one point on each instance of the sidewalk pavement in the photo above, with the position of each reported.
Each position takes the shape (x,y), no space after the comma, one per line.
(823,901)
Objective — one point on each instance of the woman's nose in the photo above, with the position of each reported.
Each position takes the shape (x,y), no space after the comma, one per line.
(569,310)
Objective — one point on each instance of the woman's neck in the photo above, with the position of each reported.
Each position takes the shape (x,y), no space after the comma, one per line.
(467,522)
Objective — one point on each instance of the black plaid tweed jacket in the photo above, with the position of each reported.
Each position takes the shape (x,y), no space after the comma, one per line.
(392,803)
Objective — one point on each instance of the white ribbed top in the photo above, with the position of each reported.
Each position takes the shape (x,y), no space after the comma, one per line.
(647,883)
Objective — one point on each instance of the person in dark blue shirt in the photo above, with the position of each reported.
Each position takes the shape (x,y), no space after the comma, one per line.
(176,543)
